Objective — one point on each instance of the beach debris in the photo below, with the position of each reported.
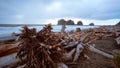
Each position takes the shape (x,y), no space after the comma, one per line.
(8,49)
(79,49)
(93,49)
(40,49)
(118,40)
(48,49)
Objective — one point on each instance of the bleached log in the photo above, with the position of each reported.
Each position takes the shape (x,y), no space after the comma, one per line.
(93,49)
(84,37)
(71,44)
(68,56)
(7,60)
(74,43)
(118,40)
(79,49)
(62,65)
(63,29)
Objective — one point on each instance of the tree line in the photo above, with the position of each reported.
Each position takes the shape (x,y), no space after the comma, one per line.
(71,22)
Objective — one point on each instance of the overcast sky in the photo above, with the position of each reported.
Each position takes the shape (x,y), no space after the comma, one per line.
(44,11)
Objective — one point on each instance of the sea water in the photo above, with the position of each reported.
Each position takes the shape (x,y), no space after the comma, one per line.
(6,32)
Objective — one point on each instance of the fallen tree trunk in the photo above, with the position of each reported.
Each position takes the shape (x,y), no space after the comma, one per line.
(7,60)
(8,49)
(93,49)
(79,49)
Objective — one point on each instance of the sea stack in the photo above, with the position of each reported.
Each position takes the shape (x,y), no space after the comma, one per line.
(70,22)
(91,24)
(79,23)
(62,22)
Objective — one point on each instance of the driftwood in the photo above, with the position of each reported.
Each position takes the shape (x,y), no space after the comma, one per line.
(63,29)
(74,43)
(79,49)
(37,49)
(118,40)
(93,49)
(62,65)
(68,56)
(47,49)
(7,60)
(8,49)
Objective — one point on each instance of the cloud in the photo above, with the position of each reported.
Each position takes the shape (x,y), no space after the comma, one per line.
(29,11)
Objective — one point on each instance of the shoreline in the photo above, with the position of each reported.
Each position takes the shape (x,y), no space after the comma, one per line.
(55,29)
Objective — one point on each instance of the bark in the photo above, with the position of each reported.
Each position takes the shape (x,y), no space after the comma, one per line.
(72,44)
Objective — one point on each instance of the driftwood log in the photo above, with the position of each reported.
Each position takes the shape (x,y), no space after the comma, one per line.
(118,40)
(8,49)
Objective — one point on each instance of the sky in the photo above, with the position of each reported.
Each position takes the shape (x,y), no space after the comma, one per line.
(100,12)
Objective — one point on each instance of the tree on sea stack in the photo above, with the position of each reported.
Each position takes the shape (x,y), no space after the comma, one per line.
(79,23)
(70,22)
(91,24)
(61,22)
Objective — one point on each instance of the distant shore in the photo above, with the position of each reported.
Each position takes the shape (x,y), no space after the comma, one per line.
(14,25)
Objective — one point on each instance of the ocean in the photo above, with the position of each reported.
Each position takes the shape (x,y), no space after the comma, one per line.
(6,31)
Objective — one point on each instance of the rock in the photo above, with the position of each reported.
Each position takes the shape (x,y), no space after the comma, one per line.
(70,22)
(61,22)
(79,23)
(91,24)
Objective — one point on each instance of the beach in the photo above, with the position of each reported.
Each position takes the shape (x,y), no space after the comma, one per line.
(104,40)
